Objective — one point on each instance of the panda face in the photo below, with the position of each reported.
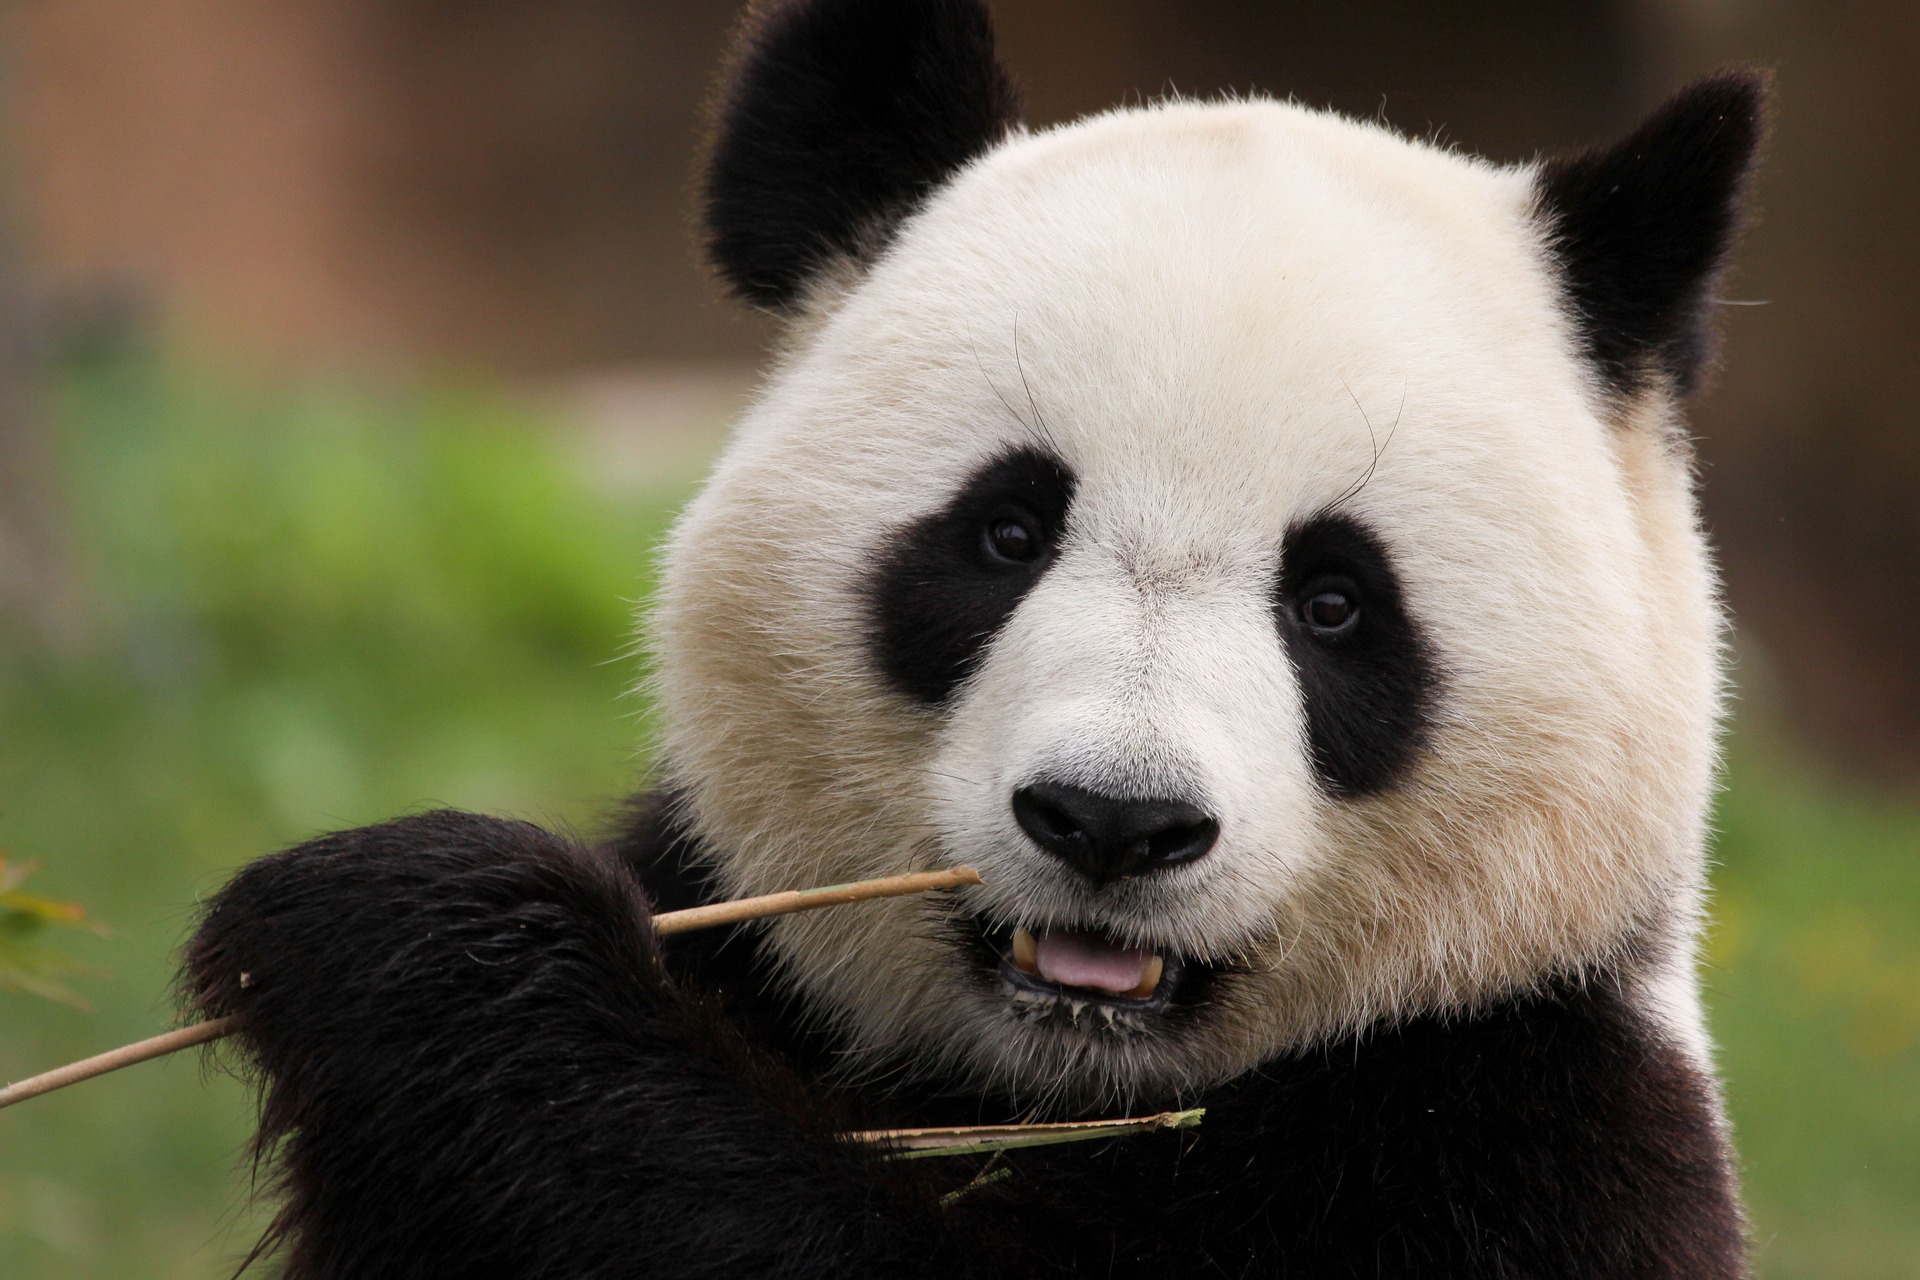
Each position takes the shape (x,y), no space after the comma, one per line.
(1202,521)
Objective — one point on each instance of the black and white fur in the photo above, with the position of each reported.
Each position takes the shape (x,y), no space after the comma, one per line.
(1428,921)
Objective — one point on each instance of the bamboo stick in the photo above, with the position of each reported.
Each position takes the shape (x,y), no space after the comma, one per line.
(669,922)
(833,895)
(113,1059)
(913,1144)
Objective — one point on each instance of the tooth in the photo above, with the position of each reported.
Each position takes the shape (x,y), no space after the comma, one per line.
(1151,980)
(1026,953)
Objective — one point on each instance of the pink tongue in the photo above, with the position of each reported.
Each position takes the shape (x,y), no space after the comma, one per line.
(1075,959)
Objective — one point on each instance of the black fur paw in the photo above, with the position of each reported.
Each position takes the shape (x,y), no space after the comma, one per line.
(380,943)
(472,1063)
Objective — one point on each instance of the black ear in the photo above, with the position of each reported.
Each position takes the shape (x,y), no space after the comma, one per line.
(839,117)
(1641,228)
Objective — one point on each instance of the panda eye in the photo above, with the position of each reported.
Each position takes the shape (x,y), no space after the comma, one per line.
(1330,607)
(1012,538)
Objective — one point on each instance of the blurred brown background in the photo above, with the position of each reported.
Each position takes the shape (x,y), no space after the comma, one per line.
(407,185)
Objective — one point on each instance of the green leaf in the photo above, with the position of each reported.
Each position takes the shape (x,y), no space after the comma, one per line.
(27,964)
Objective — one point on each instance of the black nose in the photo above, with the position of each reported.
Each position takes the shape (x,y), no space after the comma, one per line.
(1107,838)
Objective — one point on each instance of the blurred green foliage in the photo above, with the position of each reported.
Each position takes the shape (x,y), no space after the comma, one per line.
(1812,980)
(325,606)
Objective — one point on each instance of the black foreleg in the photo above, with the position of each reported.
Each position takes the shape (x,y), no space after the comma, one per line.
(474,1064)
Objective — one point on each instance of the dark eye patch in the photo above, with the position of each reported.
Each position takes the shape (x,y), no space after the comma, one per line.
(1367,673)
(949,581)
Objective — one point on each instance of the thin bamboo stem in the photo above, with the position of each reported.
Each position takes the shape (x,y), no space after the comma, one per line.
(668,922)
(964,1140)
(833,895)
(113,1059)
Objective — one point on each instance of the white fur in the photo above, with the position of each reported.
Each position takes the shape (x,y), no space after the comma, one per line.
(1222,318)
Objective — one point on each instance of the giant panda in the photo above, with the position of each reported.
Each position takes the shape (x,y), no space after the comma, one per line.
(1263,545)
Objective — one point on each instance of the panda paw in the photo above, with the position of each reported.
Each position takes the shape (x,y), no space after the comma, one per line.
(473,1062)
(431,935)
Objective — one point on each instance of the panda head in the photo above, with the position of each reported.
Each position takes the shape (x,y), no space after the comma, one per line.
(1261,544)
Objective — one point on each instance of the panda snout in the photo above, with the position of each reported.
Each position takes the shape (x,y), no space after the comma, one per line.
(1107,838)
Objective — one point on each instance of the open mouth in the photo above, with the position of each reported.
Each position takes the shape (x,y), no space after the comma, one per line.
(1086,962)
(1053,970)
